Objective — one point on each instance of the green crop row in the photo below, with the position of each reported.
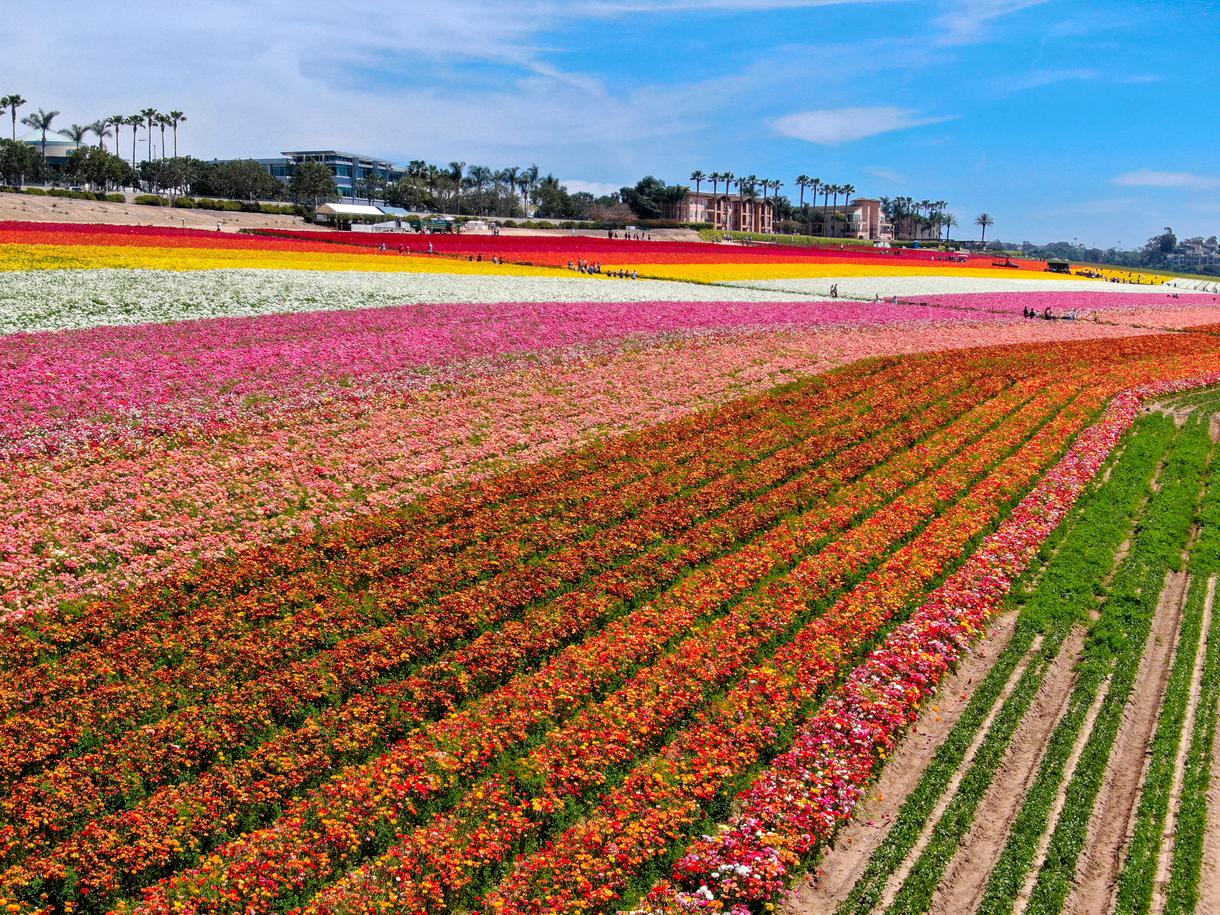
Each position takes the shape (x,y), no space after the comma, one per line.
(1083,553)
(1112,653)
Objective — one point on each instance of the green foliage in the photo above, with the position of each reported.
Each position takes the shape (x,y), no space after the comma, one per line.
(312,183)
(19,162)
(651,196)
(1070,582)
(151,200)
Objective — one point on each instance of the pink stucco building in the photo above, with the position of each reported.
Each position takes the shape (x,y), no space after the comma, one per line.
(726,212)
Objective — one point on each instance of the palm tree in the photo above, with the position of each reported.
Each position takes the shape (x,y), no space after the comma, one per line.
(116,121)
(729,178)
(12,103)
(176,118)
(802,182)
(948,220)
(41,121)
(149,115)
(523,185)
(135,122)
(714,177)
(163,121)
(100,129)
(698,178)
(848,190)
(835,190)
(75,133)
(509,177)
(531,179)
(983,220)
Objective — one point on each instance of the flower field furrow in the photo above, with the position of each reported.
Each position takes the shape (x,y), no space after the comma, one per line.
(746,628)
(554,803)
(70,785)
(556,691)
(594,863)
(360,572)
(806,792)
(483,606)
(129,844)
(515,543)
(443,523)
(95,523)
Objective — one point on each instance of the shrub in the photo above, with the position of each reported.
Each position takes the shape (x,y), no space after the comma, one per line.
(151,200)
(185,203)
(116,198)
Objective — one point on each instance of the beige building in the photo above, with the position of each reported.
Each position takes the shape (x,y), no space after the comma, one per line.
(726,212)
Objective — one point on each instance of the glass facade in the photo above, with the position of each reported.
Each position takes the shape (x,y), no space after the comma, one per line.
(348,168)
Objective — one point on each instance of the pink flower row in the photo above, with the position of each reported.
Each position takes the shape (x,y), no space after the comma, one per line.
(86,385)
(813,787)
(83,523)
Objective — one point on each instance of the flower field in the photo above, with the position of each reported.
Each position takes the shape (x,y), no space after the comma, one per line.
(337,580)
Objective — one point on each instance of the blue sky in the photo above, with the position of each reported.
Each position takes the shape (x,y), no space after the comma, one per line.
(1097,121)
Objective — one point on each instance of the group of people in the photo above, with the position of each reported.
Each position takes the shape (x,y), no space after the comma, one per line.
(583,266)
(1048,315)
(629,236)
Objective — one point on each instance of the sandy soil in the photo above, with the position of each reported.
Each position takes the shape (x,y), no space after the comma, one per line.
(844,863)
(1165,858)
(56,209)
(1022,899)
(1113,820)
(965,879)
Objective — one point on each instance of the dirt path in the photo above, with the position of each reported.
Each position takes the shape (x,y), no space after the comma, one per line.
(1209,883)
(1113,819)
(1165,857)
(950,791)
(844,863)
(1044,843)
(27,207)
(965,880)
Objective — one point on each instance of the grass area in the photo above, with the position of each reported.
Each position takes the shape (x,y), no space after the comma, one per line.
(1083,552)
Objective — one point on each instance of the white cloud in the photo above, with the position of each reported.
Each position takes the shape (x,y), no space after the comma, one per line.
(596,188)
(1184,180)
(829,126)
(967,21)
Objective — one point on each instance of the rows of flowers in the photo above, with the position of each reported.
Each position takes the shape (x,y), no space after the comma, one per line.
(52,708)
(430,765)
(79,386)
(726,530)
(807,792)
(555,250)
(85,521)
(43,300)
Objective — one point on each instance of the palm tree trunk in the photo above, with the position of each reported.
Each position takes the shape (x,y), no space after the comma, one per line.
(176,145)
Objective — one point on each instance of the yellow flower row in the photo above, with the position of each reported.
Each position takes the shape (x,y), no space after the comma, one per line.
(97,257)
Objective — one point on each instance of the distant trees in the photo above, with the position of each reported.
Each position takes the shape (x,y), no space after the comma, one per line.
(99,169)
(312,181)
(984,221)
(650,196)
(19,162)
(240,179)
(41,121)
(11,103)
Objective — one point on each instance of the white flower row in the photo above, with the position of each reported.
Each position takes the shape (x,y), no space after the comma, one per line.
(865,287)
(61,299)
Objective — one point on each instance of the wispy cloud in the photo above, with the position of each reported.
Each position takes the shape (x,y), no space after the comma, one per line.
(887,174)
(1035,79)
(829,126)
(968,21)
(1184,180)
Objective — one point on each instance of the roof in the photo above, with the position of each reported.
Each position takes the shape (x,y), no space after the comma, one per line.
(349,209)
